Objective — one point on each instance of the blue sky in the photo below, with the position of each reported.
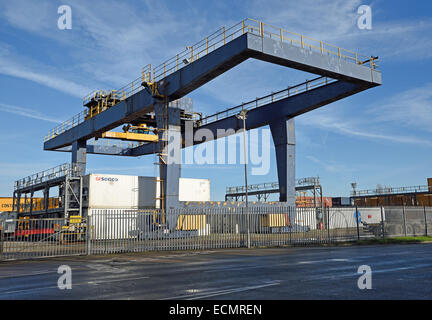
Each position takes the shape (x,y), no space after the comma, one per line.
(380,136)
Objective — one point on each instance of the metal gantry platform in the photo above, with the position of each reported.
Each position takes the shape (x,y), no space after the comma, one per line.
(305,187)
(152,98)
(66,177)
(394,196)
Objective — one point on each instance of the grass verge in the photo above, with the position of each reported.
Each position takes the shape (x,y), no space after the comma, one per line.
(396,240)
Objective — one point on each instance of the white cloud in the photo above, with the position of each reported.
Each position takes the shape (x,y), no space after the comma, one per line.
(329,166)
(411,108)
(15,170)
(358,128)
(33,16)
(48,80)
(26,112)
(15,65)
(336,23)
(118,39)
(109,43)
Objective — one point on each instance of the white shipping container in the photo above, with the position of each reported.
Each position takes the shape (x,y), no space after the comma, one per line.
(306,217)
(112,224)
(103,191)
(119,191)
(194,189)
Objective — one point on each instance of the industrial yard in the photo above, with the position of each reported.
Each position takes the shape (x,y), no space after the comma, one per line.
(244,160)
(157,118)
(66,211)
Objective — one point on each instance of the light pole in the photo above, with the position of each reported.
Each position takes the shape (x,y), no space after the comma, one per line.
(243,116)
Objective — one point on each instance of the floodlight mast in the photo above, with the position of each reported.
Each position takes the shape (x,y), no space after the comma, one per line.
(242,115)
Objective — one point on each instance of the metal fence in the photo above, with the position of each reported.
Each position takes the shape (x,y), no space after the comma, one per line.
(123,230)
(408,221)
(40,238)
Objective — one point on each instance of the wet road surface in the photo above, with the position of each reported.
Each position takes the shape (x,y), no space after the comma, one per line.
(398,272)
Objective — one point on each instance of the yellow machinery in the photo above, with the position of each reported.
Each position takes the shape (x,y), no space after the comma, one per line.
(275,220)
(191,222)
(100,101)
(139,133)
(73,232)
(24,226)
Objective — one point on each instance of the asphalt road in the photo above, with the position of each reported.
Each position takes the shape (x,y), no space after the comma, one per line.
(398,272)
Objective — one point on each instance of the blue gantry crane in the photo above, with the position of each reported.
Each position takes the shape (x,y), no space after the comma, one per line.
(150,104)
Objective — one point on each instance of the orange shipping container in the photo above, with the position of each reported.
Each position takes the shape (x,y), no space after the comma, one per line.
(6,204)
(308,201)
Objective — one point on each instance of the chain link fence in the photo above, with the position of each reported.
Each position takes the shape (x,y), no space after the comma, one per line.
(106,231)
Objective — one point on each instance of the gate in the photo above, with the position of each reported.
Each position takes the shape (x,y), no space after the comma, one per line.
(27,238)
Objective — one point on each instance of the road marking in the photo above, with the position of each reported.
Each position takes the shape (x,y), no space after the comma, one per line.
(275,265)
(237,268)
(311,261)
(234,291)
(222,292)
(116,280)
(34,273)
(339,260)
(374,271)
(324,260)
(73,285)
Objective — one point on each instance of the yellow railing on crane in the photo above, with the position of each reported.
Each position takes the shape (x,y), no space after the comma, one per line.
(201,49)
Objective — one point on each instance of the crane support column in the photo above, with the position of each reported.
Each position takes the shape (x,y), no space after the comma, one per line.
(79,155)
(170,144)
(283,133)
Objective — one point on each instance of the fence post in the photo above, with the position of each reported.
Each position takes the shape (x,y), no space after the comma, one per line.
(290,225)
(328,224)
(248,228)
(88,246)
(425,220)
(382,223)
(357,223)
(404,221)
(1,239)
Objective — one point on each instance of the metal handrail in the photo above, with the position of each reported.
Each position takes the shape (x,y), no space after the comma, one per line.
(224,35)
(66,169)
(270,185)
(391,190)
(273,97)
(200,49)
(119,95)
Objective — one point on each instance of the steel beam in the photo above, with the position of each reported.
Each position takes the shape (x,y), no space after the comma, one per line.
(123,112)
(102,150)
(169,146)
(285,108)
(283,133)
(79,155)
(249,45)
